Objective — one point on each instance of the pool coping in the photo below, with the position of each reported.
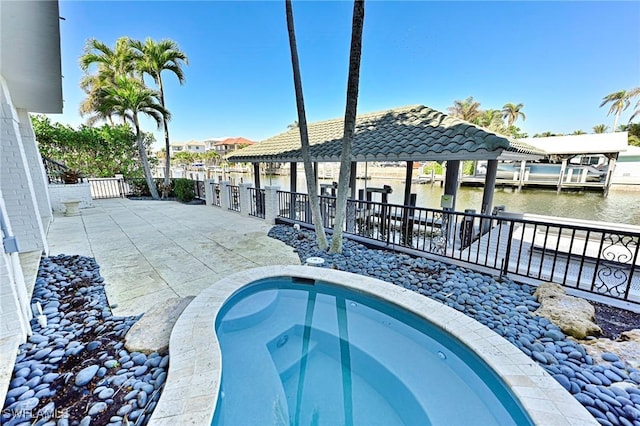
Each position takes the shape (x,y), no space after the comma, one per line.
(191,391)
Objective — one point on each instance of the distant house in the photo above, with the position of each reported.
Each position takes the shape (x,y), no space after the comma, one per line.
(176,147)
(194,146)
(191,146)
(209,143)
(229,145)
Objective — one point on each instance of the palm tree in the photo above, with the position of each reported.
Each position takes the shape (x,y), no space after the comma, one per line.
(491,119)
(620,101)
(467,110)
(353,81)
(152,58)
(312,188)
(632,94)
(511,113)
(600,128)
(129,98)
(578,132)
(110,64)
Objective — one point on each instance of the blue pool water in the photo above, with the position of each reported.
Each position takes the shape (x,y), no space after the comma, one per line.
(299,352)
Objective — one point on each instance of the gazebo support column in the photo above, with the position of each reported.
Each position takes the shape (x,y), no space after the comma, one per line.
(450,188)
(487,193)
(293,177)
(256,175)
(351,206)
(451,180)
(352,179)
(407,183)
(407,223)
(256,179)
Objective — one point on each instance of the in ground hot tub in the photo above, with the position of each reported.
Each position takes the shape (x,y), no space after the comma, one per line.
(303,345)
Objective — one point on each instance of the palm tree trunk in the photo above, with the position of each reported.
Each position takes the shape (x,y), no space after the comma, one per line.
(145,161)
(312,187)
(167,160)
(349,124)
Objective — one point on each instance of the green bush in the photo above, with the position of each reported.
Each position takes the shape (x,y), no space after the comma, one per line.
(432,165)
(138,187)
(183,190)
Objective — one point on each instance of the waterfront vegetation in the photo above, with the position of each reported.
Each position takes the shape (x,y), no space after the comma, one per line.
(497,120)
(92,151)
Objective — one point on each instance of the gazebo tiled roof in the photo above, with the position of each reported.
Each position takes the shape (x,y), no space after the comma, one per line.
(413,133)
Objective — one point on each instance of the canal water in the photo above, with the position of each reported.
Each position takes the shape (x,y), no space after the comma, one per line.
(618,207)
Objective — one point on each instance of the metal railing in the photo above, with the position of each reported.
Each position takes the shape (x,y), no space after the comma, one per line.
(234,198)
(58,173)
(102,188)
(257,207)
(198,189)
(598,260)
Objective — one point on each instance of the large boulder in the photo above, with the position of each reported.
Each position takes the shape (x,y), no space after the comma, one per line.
(626,347)
(152,332)
(574,316)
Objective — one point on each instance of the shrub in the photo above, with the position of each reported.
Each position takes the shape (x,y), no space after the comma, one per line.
(183,190)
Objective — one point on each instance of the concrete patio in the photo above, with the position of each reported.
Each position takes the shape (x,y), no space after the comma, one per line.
(149,251)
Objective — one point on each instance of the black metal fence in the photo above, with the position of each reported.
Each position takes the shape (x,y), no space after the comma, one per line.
(234,198)
(596,260)
(198,189)
(257,207)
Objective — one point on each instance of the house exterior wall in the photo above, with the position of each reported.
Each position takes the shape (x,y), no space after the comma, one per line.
(36,169)
(15,178)
(14,319)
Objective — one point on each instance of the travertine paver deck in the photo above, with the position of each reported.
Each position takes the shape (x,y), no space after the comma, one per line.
(149,251)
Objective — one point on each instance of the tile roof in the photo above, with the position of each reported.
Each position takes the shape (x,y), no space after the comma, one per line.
(235,141)
(409,133)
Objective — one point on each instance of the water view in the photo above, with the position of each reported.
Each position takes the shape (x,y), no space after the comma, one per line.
(618,207)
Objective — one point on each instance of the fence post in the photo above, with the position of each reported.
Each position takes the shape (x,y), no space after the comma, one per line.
(271,204)
(245,198)
(208,191)
(225,201)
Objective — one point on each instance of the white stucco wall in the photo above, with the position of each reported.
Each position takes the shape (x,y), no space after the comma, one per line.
(79,192)
(15,178)
(14,318)
(36,168)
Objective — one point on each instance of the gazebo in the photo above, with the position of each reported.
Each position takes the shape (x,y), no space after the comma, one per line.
(412,133)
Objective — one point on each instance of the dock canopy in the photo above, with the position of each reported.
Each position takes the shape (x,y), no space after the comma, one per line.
(413,133)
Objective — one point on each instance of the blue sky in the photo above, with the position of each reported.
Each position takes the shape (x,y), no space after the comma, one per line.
(557,58)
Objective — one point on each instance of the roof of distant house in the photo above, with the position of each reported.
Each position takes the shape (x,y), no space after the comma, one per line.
(235,141)
(408,133)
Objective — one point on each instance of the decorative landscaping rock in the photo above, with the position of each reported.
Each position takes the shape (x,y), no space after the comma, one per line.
(152,332)
(71,372)
(573,315)
(626,348)
(86,375)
